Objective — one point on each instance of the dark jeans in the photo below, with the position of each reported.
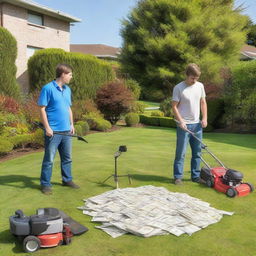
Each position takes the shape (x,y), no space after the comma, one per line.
(63,144)
(183,138)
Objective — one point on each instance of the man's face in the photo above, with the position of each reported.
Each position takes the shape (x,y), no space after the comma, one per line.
(66,77)
(190,80)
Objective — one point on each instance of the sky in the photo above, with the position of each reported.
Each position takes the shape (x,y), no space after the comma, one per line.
(101,19)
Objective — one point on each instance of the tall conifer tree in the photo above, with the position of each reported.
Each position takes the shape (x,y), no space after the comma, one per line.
(162,36)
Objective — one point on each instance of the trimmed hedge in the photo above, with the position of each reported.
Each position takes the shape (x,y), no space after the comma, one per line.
(157,113)
(89,73)
(158,121)
(8,55)
(167,122)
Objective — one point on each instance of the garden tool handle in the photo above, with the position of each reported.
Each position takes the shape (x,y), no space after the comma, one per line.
(193,134)
(205,147)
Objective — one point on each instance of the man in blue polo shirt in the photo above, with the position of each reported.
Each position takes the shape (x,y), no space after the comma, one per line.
(56,116)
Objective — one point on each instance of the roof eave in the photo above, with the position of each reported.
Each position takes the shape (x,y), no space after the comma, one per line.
(42,9)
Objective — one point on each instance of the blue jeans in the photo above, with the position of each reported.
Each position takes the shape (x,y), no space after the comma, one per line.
(183,138)
(63,144)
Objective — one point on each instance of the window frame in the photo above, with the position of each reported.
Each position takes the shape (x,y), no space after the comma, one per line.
(35,14)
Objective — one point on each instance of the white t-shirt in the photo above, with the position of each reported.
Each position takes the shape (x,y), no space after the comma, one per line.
(189,97)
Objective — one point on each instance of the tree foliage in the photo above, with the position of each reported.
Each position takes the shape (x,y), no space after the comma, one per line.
(89,73)
(161,37)
(8,54)
(251,35)
(240,95)
(113,100)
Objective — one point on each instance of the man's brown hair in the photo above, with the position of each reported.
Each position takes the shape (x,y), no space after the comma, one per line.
(62,68)
(193,70)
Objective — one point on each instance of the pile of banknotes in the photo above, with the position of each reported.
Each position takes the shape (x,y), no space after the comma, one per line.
(148,211)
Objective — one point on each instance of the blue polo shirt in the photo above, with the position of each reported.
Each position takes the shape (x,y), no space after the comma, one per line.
(57,104)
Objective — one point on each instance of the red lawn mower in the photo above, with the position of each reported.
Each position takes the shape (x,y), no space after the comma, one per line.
(48,228)
(223,179)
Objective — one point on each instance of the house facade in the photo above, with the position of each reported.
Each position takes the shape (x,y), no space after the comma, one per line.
(35,27)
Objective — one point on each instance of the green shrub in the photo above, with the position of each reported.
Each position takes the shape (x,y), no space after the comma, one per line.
(78,129)
(90,119)
(157,113)
(166,107)
(134,87)
(21,140)
(158,121)
(8,55)
(89,73)
(85,127)
(132,119)
(96,122)
(7,119)
(102,125)
(83,107)
(38,137)
(18,129)
(215,113)
(5,146)
(240,99)
(138,107)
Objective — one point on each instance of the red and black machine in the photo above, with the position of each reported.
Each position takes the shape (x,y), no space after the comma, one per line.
(48,228)
(221,178)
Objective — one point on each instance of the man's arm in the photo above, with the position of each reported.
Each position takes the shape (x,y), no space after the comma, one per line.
(72,128)
(48,130)
(203,105)
(177,115)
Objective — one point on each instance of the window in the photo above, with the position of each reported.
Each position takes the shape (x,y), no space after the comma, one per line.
(35,18)
(31,50)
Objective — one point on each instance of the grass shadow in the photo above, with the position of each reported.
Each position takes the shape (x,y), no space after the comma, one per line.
(7,238)
(155,178)
(27,182)
(14,180)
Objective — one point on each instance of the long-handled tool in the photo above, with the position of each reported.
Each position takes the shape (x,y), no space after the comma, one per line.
(206,148)
(40,125)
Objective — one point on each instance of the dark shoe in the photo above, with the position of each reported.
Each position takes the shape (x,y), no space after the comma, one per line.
(178,182)
(70,184)
(198,180)
(46,190)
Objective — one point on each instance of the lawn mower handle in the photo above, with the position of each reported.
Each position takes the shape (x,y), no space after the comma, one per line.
(205,147)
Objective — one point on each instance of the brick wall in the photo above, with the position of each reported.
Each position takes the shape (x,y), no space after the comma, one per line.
(54,34)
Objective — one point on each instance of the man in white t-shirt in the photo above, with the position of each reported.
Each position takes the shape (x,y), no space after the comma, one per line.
(187,100)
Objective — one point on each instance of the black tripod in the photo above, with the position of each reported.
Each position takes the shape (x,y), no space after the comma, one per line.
(115,175)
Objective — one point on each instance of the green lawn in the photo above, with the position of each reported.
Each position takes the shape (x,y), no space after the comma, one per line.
(150,104)
(149,160)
